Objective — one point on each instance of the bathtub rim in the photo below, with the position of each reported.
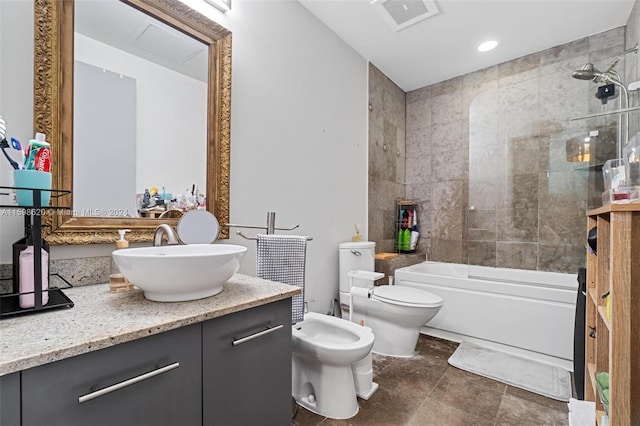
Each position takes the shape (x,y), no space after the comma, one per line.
(565,281)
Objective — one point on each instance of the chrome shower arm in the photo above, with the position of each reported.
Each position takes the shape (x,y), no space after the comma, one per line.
(620,56)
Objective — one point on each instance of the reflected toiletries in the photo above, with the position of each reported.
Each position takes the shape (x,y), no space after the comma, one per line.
(117,282)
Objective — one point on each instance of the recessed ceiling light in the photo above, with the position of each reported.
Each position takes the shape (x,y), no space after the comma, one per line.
(222,5)
(487,45)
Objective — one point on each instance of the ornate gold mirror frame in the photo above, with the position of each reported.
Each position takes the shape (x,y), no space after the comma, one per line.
(53,116)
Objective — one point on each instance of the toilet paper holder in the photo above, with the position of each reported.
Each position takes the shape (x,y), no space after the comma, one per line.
(359,291)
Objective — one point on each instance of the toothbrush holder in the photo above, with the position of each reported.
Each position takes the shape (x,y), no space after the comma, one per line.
(32,179)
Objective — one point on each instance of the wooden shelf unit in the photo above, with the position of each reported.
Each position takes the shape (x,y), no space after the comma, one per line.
(616,346)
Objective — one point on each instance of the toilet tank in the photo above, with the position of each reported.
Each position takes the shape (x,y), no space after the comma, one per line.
(353,256)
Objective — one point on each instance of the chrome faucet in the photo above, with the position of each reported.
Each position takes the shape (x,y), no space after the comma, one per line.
(164,229)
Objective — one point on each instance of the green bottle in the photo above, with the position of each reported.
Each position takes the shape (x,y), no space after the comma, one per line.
(406,239)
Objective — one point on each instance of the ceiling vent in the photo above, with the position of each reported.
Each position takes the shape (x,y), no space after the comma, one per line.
(171,45)
(399,14)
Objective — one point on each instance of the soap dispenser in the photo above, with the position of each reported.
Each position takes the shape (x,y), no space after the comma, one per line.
(117,282)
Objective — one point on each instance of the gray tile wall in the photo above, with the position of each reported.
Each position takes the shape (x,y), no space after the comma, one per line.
(486,156)
(387,136)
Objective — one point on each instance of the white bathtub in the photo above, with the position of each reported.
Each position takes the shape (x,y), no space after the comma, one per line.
(530,313)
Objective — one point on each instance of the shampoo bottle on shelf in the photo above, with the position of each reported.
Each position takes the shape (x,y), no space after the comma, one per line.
(414,232)
(117,282)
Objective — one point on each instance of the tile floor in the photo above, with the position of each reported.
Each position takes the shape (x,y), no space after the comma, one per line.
(425,390)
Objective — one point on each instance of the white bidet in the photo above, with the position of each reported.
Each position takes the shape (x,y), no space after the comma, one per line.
(324,349)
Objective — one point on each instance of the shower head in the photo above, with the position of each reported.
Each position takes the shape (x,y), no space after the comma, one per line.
(609,75)
(589,72)
(586,72)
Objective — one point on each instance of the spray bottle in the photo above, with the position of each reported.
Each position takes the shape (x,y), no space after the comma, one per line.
(117,282)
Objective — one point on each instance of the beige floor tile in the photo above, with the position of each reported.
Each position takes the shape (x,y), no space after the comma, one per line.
(438,413)
(516,411)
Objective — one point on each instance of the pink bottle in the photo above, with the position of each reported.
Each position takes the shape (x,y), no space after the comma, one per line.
(27,278)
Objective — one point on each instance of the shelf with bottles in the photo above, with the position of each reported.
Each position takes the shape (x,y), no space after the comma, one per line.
(407,231)
(37,295)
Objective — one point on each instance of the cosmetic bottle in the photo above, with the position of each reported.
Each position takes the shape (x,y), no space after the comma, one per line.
(357,236)
(27,276)
(414,232)
(118,283)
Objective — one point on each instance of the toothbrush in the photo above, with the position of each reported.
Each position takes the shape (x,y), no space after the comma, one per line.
(4,144)
(15,144)
(3,127)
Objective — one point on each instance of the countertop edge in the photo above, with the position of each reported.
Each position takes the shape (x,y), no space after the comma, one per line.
(46,357)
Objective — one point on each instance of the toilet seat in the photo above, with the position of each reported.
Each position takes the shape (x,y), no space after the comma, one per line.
(331,333)
(406,296)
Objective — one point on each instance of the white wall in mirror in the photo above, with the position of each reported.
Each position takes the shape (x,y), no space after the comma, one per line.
(16,100)
(104,105)
(170,120)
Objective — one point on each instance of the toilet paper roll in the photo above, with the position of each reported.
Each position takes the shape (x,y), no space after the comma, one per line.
(359,292)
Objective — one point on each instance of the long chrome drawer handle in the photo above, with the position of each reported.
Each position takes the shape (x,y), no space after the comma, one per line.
(128,382)
(256,335)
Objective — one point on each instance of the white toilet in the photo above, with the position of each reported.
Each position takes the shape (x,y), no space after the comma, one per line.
(325,351)
(394,313)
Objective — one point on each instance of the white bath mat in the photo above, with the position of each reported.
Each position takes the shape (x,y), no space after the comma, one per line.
(544,379)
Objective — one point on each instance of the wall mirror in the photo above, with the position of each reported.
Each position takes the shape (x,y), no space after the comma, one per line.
(63,47)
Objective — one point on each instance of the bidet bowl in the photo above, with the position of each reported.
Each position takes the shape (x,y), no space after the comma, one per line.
(331,340)
(180,272)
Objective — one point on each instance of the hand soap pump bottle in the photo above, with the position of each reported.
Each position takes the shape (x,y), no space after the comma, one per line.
(117,282)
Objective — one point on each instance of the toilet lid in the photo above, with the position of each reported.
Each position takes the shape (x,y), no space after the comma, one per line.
(400,295)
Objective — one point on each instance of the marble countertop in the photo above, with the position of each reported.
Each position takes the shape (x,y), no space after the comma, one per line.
(101,319)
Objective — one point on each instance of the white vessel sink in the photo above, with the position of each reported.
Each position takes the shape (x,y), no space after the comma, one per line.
(180,272)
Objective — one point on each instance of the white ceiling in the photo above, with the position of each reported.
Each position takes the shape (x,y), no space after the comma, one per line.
(128,29)
(444,46)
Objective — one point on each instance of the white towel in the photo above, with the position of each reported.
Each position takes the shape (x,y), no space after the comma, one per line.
(581,413)
(282,258)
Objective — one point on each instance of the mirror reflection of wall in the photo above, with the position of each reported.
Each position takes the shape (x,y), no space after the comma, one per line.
(105,121)
(16,104)
(171,101)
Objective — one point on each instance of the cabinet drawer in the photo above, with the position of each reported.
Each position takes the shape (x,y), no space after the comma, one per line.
(10,399)
(137,390)
(247,367)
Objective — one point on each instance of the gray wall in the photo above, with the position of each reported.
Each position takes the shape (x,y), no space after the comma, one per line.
(386,157)
(486,157)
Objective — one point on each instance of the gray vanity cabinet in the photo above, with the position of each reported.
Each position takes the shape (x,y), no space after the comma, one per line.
(247,367)
(230,370)
(10,399)
(159,375)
